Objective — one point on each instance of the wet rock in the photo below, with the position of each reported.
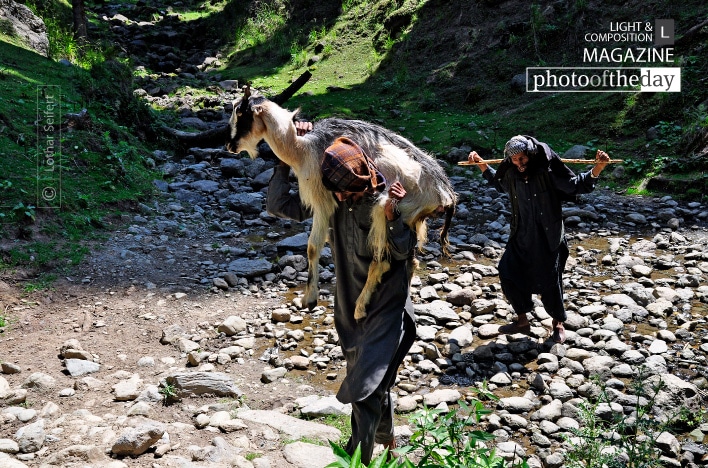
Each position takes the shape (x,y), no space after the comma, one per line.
(249,268)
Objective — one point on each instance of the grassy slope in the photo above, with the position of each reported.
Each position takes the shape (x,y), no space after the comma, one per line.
(436,71)
(100,168)
(445,74)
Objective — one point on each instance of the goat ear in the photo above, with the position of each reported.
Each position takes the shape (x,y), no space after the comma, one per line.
(257,109)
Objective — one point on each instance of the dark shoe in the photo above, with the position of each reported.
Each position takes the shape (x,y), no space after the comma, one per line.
(558,333)
(514,328)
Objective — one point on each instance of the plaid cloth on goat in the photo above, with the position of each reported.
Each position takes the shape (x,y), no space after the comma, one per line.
(347,168)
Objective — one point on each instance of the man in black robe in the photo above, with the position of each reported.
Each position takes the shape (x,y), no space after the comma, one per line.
(537,181)
(376,345)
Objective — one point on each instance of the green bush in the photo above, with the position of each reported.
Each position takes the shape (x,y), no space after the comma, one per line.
(440,439)
(627,441)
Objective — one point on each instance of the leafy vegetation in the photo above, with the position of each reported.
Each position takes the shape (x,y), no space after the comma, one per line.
(98,168)
(168,392)
(444,439)
(613,439)
(401,64)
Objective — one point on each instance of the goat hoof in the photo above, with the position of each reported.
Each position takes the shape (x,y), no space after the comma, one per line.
(359,314)
(311,305)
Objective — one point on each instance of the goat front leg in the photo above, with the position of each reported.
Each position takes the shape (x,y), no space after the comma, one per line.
(313,276)
(315,243)
(376,272)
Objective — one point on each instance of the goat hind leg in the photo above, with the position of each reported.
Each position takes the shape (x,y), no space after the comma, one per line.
(376,272)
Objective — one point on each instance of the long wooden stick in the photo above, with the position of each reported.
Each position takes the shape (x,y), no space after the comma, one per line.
(567,161)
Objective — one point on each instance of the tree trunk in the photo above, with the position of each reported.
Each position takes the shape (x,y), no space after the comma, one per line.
(79,12)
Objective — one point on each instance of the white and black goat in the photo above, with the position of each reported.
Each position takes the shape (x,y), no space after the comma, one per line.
(429,191)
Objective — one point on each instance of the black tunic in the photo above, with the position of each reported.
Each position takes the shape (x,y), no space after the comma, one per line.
(537,250)
(377,344)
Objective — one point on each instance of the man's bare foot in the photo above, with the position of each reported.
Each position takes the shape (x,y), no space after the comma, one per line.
(558,332)
(516,327)
(391,446)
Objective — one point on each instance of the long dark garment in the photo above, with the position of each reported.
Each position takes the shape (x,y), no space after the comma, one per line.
(375,346)
(537,250)
(524,272)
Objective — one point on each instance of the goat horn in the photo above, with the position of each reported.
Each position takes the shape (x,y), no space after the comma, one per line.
(247,91)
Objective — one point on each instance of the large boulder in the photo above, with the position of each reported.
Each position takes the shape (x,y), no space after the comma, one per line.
(26,25)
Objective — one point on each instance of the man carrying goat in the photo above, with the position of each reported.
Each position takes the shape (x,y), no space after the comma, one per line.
(375,345)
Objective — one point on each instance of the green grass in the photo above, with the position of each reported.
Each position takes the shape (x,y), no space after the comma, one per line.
(376,79)
(42,283)
(396,78)
(97,172)
(341,422)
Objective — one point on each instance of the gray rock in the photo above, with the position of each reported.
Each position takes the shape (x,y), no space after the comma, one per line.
(428,293)
(462,336)
(655,364)
(40,381)
(580,213)
(128,390)
(232,325)
(207,186)
(322,406)
(294,428)
(89,454)
(622,300)
(482,307)
(439,310)
(250,268)
(296,243)
(303,455)
(461,297)
(220,283)
(271,375)
(516,404)
(135,441)
(203,383)
(30,438)
(514,421)
(426,333)
(551,412)
(636,218)
(8,446)
(668,444)
(297,262)
(673,393)
(79,367)
(231,167)
(598,365)
(561,391)
(576,152)
(658,347)
(436,397)
(246,203)
(26,25)
(10,368)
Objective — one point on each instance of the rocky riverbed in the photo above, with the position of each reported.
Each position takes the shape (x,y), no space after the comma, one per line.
(196,299)
(182,341)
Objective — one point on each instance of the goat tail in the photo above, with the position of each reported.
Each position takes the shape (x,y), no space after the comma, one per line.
(444,231)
